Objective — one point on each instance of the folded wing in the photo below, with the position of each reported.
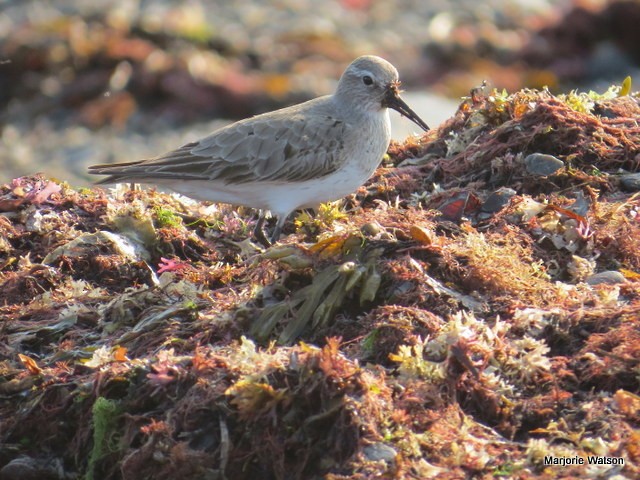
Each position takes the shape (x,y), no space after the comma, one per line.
(287,147)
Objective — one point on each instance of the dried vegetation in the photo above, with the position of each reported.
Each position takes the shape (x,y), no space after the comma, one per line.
(423,330)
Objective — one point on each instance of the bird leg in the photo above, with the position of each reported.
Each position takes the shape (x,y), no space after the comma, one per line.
(258,231)
(275,236)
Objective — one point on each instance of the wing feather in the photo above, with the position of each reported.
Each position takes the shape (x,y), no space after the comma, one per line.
(291,145)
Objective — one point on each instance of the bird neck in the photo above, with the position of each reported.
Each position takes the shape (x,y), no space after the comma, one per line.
(350,105)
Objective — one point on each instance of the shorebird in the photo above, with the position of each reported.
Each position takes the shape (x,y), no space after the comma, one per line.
(296,157)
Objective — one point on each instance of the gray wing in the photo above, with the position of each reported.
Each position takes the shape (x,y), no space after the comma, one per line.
(289,145)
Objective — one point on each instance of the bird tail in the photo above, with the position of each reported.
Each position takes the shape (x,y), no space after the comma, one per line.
(117,172)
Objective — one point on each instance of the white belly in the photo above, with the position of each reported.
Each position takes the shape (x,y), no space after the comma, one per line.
(279,198)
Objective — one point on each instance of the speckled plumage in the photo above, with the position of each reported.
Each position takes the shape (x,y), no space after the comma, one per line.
(292,158)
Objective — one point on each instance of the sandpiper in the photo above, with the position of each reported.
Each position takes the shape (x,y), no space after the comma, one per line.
(296,157)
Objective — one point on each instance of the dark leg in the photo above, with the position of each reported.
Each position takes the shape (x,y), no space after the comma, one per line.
(258,231)
(275,236)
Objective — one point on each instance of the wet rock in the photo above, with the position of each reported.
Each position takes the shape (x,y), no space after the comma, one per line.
(379,451)
(631,181)
(610,277)
(27,468)
(542,165)
(497,200)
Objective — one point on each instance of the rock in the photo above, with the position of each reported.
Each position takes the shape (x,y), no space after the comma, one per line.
(497,200)
(631,181)
(27,468)
(380,451)
(610,277)
(542,165)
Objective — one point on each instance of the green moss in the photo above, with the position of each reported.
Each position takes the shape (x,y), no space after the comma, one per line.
(105,415)
(167,218)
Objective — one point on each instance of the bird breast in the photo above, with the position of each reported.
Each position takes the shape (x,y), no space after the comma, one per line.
(366,148)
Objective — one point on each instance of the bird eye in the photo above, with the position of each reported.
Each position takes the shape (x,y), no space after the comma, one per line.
(367,80)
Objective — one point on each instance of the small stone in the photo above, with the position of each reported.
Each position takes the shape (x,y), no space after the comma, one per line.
(380,451)
(25,468)
(631,181)
(542,165)
(497,200)
(371,229)
(610,277)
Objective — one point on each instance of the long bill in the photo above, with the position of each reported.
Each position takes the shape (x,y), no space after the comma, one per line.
(392,100)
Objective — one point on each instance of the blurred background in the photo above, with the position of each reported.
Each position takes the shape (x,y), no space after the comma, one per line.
(120,80)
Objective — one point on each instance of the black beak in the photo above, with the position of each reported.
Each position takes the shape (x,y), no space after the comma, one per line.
(392,100)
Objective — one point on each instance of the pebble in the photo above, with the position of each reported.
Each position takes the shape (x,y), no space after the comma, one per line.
(27,468)
(610,277)
(497,200)
(631,181)
(542,165)
(379,451)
